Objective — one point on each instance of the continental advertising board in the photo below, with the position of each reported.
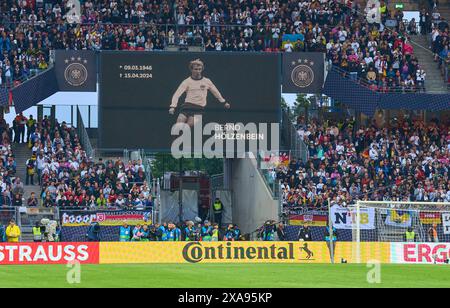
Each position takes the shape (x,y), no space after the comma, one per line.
(369,252)
(215,252)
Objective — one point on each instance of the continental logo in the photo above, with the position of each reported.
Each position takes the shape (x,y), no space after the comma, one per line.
(195,252)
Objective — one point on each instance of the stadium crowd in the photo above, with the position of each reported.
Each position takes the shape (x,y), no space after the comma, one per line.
(71,179)
(406,161)
(11,186)
(409,161)
(382,58)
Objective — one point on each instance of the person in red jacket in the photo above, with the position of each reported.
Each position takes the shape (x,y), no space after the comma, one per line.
(21,120)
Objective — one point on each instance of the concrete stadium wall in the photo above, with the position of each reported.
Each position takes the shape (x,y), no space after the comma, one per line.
(252,200)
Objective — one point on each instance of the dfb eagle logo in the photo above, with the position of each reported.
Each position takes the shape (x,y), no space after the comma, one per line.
(76,74)
(302,76)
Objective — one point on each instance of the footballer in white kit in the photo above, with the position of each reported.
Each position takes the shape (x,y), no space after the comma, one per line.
(196,87)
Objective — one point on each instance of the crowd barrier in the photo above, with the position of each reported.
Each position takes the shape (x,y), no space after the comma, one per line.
(220,252)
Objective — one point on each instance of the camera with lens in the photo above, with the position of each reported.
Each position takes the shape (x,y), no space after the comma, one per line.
(270,223)
(195,235)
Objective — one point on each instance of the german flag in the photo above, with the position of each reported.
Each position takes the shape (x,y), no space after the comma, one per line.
(308,219)
(430,218)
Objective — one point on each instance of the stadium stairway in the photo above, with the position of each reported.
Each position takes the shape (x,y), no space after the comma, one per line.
(444,9)
(434,81)
(22,153)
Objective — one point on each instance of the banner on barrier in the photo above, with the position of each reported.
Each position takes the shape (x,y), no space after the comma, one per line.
(315,219)
(345,218)
(397,218)
(430,218)
(423,253)
(270,160)
(215,252)
(446,223)
(105,218)
(48,253)
(369,251)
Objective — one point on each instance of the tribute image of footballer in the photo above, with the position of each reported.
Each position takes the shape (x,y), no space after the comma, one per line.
(196,88)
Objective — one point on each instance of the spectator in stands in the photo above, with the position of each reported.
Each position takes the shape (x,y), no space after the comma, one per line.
(17,187)
(288,46)
(424,22)
(48,202)
(327,25)
(420,77)
(30,170)
(11,166)
(17,200)
(412,27)
(32,200)
(5,199)
(21,122)
(383,164)
(100,202)
(31,127)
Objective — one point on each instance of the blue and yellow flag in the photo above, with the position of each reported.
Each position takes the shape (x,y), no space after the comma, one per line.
(398,218)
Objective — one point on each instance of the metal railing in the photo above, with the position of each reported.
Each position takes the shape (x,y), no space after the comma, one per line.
(15,82)
(83,135)
(26,217)
(369,85)
(217,181)
(270,179)
(297,147)
(7,213)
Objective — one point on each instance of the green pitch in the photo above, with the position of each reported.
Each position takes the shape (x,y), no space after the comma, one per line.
(226,275)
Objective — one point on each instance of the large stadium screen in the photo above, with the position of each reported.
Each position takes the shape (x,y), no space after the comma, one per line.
(144,95)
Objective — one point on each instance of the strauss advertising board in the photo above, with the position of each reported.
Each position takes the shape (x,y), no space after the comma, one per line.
(48,253)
